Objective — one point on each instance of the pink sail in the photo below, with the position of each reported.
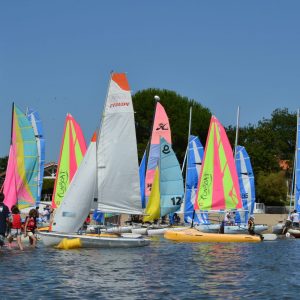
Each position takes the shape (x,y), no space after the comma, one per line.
(161,128)
(218,187)
(72,151)
(21,181)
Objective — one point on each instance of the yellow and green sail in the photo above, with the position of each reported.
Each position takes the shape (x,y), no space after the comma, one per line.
(218,186)
(21,181)
(72,151)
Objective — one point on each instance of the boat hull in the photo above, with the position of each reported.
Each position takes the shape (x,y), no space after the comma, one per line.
(294,232)
(208,228)
(277,229)
(194,236)
(51,239)
(243,228)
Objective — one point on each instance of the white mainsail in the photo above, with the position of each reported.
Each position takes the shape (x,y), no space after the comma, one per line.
(77,202)
(117,162)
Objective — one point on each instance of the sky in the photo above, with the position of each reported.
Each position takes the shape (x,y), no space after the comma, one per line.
(56,57)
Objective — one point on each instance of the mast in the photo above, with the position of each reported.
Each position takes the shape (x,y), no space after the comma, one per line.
(236,131)
(12,122)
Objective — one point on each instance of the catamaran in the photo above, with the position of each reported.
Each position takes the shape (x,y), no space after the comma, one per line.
(109,170)
(218,188)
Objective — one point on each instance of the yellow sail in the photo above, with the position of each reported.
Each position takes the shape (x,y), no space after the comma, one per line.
(153,206)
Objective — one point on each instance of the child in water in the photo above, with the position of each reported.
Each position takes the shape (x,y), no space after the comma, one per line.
(30,226)
(16,228)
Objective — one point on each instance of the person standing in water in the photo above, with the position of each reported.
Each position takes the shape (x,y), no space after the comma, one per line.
(16,228)
(30,227)
(4,219)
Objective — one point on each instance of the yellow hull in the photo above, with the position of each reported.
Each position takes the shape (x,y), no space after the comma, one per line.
(193,235)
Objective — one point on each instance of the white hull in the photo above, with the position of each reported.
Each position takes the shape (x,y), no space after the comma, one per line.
(269,237)
(243,229)
(277,229)
(51,239)
(118,229)
(208,228)
(142,230)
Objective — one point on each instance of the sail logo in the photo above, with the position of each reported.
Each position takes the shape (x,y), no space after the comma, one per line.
(149,187)
(206,186)
(118,104)
(62,183)
(166,149)
(162,126)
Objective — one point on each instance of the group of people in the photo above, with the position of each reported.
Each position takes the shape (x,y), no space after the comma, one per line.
(12,227)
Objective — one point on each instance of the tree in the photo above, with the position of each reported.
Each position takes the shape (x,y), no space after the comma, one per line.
(177,108)
(3,163)
(271,188)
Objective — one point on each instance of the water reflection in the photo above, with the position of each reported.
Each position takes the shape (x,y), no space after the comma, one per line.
(164,270)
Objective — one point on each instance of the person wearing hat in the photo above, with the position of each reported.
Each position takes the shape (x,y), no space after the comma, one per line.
(295,218)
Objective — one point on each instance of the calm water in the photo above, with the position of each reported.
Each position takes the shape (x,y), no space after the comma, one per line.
(163,270)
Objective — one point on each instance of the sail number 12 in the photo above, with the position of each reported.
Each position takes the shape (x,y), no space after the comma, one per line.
(176,200)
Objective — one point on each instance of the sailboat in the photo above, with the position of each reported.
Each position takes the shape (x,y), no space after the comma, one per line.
(247,191)
(21,181)
(72,150)
(167,188)
(109,170)
(194,165)
(161,128)
(218,188)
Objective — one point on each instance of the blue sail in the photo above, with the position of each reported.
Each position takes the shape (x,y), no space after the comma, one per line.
(297,173)
(195,156)
(34,118)
(142,172)
(246,181)
(171,181)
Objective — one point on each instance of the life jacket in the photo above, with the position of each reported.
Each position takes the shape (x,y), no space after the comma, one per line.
(250,225)
(16,221)
(31,225)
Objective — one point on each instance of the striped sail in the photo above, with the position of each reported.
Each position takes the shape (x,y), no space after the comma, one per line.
(194,163)
(78,199)
(246,181)
(71,153)
(34,118)
(21,181)
(167,191)
(142,172)
(218,187)
(117,160)
(161,128)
